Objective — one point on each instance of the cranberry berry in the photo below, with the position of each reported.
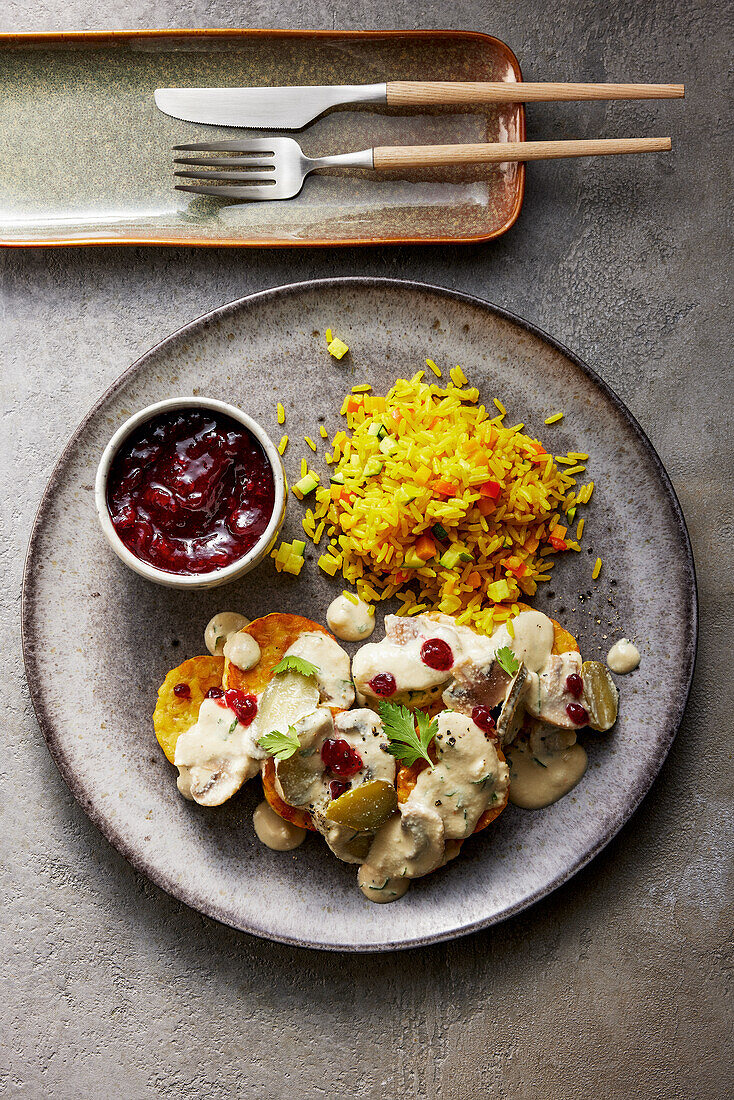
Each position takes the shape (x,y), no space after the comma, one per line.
(383,684)
(482,716)
(578,714)
(336,788)
(243,704)
(436,653)
(575,685)
(340,758)
(182,691)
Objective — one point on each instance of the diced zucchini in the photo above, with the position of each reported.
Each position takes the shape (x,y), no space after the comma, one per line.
(306,485)
(337,478)
(439,532)
(373,466)
(389,445)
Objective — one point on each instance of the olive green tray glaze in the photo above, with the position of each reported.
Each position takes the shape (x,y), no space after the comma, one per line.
(87,154)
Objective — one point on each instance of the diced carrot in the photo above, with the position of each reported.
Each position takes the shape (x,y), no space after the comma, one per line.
(444,488)
(558,544)
(486,506)
(474,579)
(425,547)
(401,576)
(557,532)
(396,415)
(519,568)
(491,489)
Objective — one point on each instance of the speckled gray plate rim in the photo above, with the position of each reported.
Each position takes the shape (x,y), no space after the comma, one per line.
(118,776)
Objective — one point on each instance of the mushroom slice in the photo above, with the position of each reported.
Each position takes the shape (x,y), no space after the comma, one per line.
(510,717)
(477,685)
(213,757)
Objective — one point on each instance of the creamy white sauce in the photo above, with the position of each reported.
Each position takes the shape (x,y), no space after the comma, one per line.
(623,657)
(219,628)
(444,806)
(352,622)
(399,653)
(214,757)
(467,778)
(539,778)
(409,845)
(334,677)
(242,650)
(273,831)
(533,640)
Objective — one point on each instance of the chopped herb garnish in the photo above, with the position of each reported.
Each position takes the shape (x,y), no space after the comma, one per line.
(540,762)
(404,743)
(507,660)
(233,727)
(280,745)
(296,664)
(219,638)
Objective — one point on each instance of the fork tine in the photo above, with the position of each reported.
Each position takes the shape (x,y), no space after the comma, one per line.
(254,145)
(227,162)
(254,193)
(228,177)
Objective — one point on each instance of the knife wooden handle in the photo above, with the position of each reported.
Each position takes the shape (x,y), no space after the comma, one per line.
(423,156)
(417,93)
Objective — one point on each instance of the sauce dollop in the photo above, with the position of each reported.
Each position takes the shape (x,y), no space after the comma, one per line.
(190,491)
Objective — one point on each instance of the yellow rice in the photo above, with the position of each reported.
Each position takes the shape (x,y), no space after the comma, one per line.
(442,447)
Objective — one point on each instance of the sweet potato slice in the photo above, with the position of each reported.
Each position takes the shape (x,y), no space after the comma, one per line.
(275,634)
(175,714)
(288,813)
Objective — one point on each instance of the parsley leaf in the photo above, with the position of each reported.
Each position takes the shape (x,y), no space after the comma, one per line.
(233,727)
(404,743)
(296,664)
(507,660)
(280,745)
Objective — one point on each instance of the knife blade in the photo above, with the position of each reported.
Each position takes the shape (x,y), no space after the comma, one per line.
(273,108)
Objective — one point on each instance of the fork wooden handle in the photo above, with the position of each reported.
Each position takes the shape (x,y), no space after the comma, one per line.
(423,156)
(418,93)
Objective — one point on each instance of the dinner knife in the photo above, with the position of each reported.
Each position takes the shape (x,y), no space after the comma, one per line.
(290,108)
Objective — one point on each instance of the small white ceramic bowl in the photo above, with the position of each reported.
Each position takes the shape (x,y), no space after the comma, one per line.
(217,576)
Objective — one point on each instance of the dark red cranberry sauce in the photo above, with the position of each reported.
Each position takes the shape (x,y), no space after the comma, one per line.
(383,684)
(183,691)
(340,758)
(336,788)
(190,491)
(575,685)
(436,653)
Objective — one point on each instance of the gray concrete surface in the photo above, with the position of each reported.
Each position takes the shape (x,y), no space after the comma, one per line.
(615,986)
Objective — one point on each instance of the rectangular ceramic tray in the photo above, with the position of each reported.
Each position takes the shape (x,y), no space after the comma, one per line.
(87,154)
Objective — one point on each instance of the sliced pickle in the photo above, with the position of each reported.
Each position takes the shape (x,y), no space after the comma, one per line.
(364,808)
(601,697)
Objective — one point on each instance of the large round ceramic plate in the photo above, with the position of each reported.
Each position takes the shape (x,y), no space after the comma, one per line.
(98,639)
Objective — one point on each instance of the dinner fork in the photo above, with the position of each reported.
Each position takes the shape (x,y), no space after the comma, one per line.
(275,167)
